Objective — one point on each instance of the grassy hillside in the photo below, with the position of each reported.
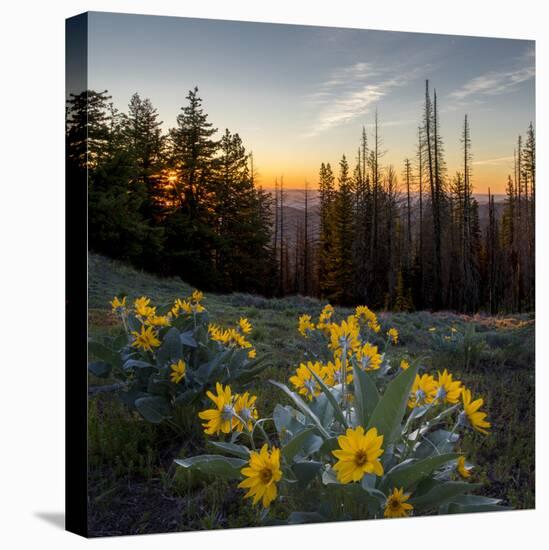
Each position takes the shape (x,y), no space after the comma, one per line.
(133,486)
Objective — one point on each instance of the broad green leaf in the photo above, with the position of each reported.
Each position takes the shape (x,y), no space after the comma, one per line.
(297,443)
(330,396)
(302,406)
(437,442)
(441,494)
(454,508)
(153,408)
(306,470)
(215,465)
(101,369)
(407,475)
(171,349)
(389,412)
(187,339)
(239,451)
(136,364)
(366,395)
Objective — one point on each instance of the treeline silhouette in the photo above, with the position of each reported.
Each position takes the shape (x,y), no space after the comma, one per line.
(187,203)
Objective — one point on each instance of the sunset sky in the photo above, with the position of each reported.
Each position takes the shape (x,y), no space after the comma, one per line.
(300,95)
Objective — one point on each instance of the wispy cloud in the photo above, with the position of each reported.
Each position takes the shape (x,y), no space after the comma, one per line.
(350,92)
(498,82)
(493,162)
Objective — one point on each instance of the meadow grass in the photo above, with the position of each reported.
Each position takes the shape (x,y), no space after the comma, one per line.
(132,461)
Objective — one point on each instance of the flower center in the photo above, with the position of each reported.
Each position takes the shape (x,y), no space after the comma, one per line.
(361,458)
(265,475)
(394,504)
(227,412)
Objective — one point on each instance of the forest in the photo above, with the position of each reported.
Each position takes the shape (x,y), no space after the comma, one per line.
(188,203)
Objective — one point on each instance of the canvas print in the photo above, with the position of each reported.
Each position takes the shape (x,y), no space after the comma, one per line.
(310,272)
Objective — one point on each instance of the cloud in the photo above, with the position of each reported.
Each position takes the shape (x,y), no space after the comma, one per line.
(493,162)
(498,82)
(350,92)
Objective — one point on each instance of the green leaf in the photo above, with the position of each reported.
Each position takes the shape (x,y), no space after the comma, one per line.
(215,465)
(409,474)
(389,412)
(101,369)
(366,395)
(297,443)
(136,364)
(171,349)
(103,353)
(252,369)
(437,442)
(187,339)
(441,494)
(153,408)
(302,406)
(330,396)
(206,372)
(306,470)
(239,451)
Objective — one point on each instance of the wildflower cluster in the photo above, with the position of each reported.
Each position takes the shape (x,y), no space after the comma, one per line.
(234,337)
(167,356)
(369,434)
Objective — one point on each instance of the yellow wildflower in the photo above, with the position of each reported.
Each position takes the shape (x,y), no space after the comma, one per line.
(262,474)
(178,371)
(368,357)
(358,454)
(221,418)
(146,339)
(142,307)
(396,505)
(117,304)
(197,296)
(325,317)
(157,321)
(252,354)
(345,335)
(305,325)
(392,333)
(245,325)
(449,390)
(244,407)
(475,418)
(404,365)
(424,391)
(333,373)
(365,313)
(462,469)
(305,382)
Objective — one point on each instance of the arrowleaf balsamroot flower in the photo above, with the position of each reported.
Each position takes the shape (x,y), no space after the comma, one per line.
(244,407)
(157,321)
(392,333)
(262,474)
(325,317)
(142,307)
(368,357)
(462,469)
(423,392)
(146,339)
(366,314)
(333,373)
(396,505)
(178,371)
(404,365)
(345,335)
(117,304)
(449,390)
(358,454)
(221,418)
(475,418)
(245,325)
(305,382)
(305,325)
